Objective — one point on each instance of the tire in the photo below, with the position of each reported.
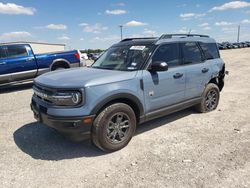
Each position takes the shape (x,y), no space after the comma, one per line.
(114,127)
(210,99)
(59,68)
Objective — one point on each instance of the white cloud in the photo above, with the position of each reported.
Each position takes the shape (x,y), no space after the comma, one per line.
(223,23)
(11,8)
(229,30)
(15,35)
(204,25)
(190,15)
(115,12)
(97,28)
(56,26)
(183,30)
(83,24)
(134,23)
(207,28)
(82,39)
(120,4)
(150,33)
(245,21)
(247,12)
(63,38)
(231,5)
(112,38)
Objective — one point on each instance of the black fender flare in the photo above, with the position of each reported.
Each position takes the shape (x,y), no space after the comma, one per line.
(115,98)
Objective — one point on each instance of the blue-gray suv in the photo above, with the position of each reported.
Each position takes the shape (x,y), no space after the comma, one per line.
(135,80)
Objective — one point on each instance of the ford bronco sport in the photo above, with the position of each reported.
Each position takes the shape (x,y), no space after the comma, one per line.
(135,80)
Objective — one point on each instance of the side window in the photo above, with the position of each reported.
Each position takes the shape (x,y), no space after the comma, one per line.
(168,53)
(191,53)
(210,50)
(2,53)
(17,51)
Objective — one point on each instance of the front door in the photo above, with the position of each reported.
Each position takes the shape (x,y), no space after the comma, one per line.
(22,64)
(162,89)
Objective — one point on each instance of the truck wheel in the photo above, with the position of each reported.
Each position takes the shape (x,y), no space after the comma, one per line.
(210,99)
(114,127)
(59,68)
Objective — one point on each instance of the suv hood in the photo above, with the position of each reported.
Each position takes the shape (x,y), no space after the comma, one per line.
(82,77)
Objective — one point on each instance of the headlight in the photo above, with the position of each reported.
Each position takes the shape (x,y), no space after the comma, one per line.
(61,98)
(66,98)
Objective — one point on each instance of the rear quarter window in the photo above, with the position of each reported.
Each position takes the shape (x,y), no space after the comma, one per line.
(17,51)
(191,53)
(210,50)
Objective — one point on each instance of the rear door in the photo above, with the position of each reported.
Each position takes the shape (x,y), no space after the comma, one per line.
(4,68)
(21,62)
(197,69)
(162,89)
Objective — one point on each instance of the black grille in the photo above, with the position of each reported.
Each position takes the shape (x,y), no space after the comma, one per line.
(43,90)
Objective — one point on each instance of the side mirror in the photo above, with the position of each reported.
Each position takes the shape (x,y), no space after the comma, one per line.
(159,66)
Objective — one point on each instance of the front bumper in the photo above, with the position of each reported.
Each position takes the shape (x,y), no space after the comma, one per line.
(75,128)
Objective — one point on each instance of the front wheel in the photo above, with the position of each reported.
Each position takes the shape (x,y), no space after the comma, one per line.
(114,127)
(210,99)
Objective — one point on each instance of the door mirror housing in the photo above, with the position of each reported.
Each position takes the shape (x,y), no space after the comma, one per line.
(159,66)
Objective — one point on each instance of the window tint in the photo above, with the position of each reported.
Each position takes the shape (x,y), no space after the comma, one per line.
(17,51)
(2,53)
(168,53)
(210,50)
(191,53)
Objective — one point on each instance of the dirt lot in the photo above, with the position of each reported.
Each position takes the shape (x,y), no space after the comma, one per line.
(185,149)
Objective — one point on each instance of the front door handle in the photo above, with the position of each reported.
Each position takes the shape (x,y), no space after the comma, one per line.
(205,70)
(29,59)
(178,75)
(2,63)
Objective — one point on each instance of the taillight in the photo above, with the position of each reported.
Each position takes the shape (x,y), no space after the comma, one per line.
(77,55)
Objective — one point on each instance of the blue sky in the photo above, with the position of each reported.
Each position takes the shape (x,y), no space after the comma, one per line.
(94,24)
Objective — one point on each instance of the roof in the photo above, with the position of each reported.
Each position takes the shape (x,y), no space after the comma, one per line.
(29,42)
(137,41)
(167,38)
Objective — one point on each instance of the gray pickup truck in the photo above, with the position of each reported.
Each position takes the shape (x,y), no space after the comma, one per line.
(135,80)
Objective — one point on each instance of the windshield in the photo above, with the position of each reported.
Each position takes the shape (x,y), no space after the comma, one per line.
(123,58)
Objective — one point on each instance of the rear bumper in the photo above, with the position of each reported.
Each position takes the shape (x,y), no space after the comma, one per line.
(75,128)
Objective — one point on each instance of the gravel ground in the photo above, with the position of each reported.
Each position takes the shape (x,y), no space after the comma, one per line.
(185,149)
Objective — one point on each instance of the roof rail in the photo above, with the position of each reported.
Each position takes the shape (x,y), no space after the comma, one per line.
(168,36)
(143,38)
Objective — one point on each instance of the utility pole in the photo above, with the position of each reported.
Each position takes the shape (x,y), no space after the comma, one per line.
(238,38)
(121,27)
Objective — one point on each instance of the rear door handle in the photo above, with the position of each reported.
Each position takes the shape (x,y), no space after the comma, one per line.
(205,70)
(178,75)
(2,63)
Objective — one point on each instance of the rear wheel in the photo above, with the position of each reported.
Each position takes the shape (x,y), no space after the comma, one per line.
(114,127)
(210,99)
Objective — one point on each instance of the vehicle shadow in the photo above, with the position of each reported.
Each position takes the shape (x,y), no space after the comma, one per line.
(44,143)
(17,87)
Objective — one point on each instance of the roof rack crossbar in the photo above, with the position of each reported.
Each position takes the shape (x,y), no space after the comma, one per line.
(130,39)
(167,36)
